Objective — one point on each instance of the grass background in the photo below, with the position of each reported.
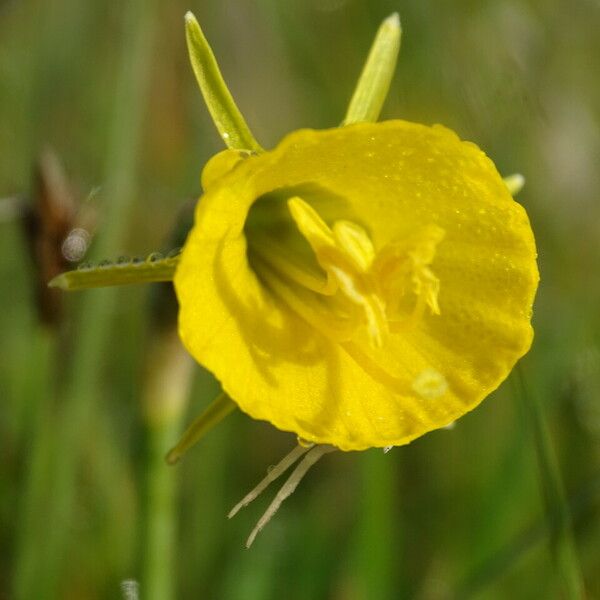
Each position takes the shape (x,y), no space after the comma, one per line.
(85,499)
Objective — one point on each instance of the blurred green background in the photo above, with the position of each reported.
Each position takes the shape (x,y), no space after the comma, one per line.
(93,394)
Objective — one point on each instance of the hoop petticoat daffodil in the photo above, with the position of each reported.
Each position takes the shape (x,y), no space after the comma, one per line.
(358,286)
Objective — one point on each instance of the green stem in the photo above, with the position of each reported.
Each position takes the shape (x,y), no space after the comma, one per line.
(374,82)
(229,121)
(93,327)
(216,411)
(558,516)
(377,541)
(39,449)
(169,378)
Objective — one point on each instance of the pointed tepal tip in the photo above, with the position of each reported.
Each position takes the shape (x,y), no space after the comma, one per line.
(189,17)
(59,282)
(172,457)
(393,20)
(514,183)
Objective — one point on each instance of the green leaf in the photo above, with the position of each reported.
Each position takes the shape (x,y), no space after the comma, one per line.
(374,82)
(229,121)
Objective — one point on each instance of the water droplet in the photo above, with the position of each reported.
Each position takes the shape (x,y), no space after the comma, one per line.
(304,443)
(154,256)
(76,244)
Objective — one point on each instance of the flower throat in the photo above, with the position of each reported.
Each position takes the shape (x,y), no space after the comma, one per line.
(333,277)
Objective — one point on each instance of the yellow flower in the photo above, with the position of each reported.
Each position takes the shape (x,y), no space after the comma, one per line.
(358,286)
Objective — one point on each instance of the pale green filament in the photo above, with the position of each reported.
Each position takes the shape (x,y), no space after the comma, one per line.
(229,121)
(374,82)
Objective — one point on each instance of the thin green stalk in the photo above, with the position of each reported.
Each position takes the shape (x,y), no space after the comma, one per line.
(581,505)
(31,519)
(167,389)
(558,516)
(377,550)
(374,82)
(93,326)
(229,121)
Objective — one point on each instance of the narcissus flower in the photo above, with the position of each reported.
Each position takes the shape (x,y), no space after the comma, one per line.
(358,286)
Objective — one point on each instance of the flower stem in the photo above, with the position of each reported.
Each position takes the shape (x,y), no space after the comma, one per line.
(374,82)
(166,393)
(229,121)
(378,545)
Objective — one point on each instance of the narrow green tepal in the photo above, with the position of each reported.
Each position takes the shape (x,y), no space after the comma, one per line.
(229,121)
(214,413)
(152,269)
(374,82)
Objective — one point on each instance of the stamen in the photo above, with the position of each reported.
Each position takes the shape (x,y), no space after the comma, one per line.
(308,307)
(355,286)
(272,475)
(355,241)
(288,488)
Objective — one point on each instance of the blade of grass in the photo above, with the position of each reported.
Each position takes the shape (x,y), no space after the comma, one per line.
(581,504)
(30,518)
(558,517)
(374,82)
(93,326)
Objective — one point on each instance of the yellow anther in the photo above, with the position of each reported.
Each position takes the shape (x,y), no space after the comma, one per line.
(355,241)
(359,288)
(404,267)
